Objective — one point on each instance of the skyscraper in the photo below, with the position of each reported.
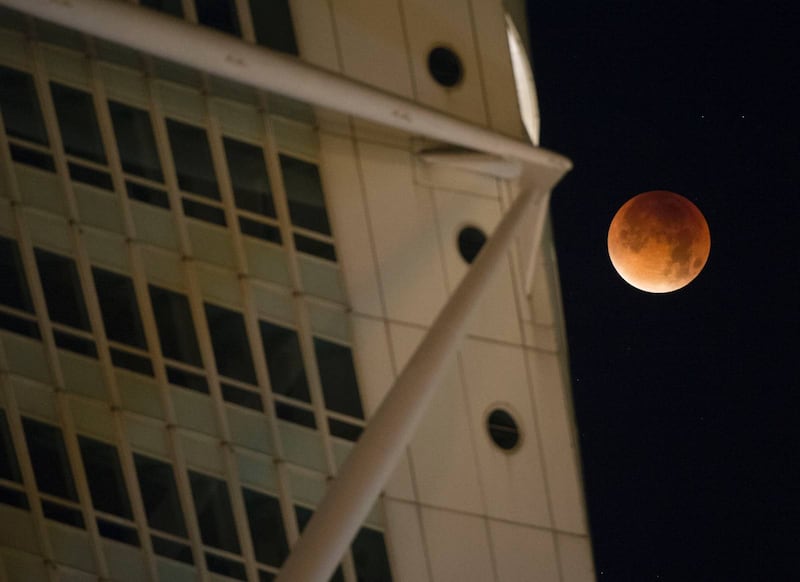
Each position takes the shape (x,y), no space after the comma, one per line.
(207,290)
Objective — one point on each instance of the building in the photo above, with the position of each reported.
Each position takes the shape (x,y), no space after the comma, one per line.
(207,290)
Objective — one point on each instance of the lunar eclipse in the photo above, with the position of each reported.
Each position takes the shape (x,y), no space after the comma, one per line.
(659,241)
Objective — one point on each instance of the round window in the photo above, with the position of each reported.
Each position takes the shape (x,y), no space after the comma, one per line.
(503,429)
(445,66)
(470,242)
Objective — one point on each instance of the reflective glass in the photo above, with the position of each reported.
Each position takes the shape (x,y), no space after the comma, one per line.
(219,14)
(338,377)
(248,173)
(77,121)
(119,308)
(20,106)
(103,471)
(49,458)
(214,514)
(160,495)
(9,469)
(62,289)
(266,527)
(231,348)
(173,7)
(273,25)
(175,326)
(14,286)
(369,555)
(304,193)
(192,158)
(285,361)
(137,146)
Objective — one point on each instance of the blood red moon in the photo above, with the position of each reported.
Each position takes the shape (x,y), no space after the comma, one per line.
(659,241)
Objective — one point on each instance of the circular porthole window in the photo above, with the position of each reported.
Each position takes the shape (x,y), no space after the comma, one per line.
(503,429)
(445,66)
(470,242)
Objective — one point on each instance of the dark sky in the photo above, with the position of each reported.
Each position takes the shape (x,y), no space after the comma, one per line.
(688,404)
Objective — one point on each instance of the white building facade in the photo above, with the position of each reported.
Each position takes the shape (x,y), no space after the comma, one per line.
(206,291)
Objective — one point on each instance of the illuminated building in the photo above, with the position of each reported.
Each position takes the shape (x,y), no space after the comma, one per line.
(207,290)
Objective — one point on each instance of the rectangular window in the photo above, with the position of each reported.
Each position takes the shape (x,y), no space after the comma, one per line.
(273,25)
(192,158)
(90,176)
(19,325)
(175,326)
(231,348)
(287,375)
(315,247)
(137,145)
(304,194)
(160,495)
(296,415)
(249,177)
(20,106)
(9,469)
(77,121)
(104,475)
(32,158)
(173,7)
(14,288)
(214,514)
(49,459)
(338,376)
(369,555)
(266,527)
(260,230)
(205,212)
(219,14)
(172,549)
(62,289)
(119,308)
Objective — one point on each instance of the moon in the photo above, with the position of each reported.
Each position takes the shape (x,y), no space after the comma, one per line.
(659,241)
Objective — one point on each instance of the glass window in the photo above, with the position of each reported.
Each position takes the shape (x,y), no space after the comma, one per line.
(260,230)
(175,326)
(9,469)
(62,513)
(249,177)
(369,555)
(219,14)
(103,471)
(285,361)
(118,305)
(14,286)
(304,193)
(205,212)
(20,106)
(173,7)
(19,325)
(49,459)
(135,140)
(62,289)
(192,158)
(273,25)
(315,247)
(120,533)
(338,378)
(160,495)
(266,527)
(32,158)
(231,348)
(296,415)
(214,514)
(78,123)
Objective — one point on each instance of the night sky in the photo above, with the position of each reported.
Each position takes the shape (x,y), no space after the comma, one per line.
(688,404)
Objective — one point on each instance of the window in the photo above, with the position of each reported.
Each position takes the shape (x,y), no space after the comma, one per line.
(14,287)
(503,429)
(20,106)
(78,123)
(231,348)
(173,7)
(49,459)
(214,514)
(175,326)
(287,374)
(266,527)
(470,242)
(104,475)
(118,306)
(192,157)
(137,146)
(160,495)
(219,14)
(369,555)
(304,194)
(249,177)
(338,377)
(273,25)
(9,469)
(62,289)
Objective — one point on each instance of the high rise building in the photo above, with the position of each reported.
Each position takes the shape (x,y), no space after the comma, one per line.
(207,289)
